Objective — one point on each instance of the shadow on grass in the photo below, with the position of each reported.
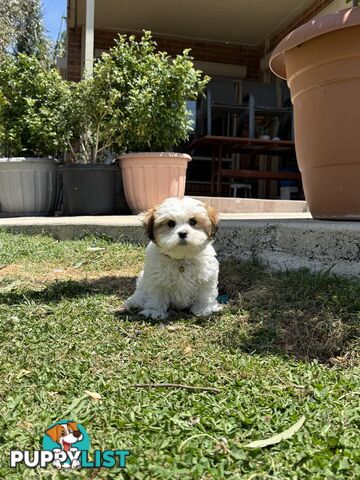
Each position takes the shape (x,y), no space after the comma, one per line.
(300,314)
(70,289)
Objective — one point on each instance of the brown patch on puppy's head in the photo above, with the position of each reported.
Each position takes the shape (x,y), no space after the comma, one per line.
(209,223)
(148,222)
(214,220)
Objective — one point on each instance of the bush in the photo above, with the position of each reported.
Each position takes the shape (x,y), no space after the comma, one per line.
(146,93)
(90,116)
(33,105)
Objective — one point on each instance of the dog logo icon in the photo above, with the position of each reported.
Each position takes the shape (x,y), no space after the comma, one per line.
(67,439)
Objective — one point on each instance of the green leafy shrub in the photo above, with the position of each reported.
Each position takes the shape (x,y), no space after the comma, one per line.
(91,117)
(145,92)
(33,105)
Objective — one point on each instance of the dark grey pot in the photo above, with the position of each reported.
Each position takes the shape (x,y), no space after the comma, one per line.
(89,189)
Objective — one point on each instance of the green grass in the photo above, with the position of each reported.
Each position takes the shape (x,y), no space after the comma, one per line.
(285,346)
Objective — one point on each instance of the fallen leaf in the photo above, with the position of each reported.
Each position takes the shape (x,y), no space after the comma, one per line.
(187,349)
(24,424)
(279,437)
(94,396)
(78,264)
(173,328)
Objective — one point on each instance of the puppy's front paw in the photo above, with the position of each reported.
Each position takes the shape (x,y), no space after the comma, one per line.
(205,310)
(154,314)
(130,304)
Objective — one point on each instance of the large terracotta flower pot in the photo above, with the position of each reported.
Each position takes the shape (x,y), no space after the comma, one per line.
(321,63)
(149,178)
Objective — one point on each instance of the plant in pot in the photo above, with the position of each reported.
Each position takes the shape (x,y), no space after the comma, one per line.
(33,98)
(88,177)
(320,61)
(150,91)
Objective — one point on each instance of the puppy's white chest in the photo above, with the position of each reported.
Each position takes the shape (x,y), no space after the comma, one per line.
(184,286)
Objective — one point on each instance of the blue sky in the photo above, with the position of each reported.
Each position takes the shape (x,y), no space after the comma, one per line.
(53,11)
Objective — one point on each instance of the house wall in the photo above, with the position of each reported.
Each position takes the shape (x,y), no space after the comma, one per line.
(74,54)
(306,15)
(201,50)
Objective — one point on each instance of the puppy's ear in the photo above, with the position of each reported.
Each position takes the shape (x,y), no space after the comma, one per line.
(148,222)
(53,433)
(214,219)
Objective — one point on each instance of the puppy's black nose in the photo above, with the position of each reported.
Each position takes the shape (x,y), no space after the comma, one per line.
(77,433)
(182,234)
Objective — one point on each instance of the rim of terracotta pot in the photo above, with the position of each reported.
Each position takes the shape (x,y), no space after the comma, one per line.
(349,17)
(156,155)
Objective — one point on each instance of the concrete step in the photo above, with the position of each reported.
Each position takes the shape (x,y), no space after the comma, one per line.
(254,205)
(281,240)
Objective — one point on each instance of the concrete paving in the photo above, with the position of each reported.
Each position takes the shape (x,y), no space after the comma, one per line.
(282,240)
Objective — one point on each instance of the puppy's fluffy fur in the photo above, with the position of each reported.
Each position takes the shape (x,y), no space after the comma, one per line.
(181,269)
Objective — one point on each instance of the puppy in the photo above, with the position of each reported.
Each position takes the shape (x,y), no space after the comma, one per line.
(181,269)
(65,434)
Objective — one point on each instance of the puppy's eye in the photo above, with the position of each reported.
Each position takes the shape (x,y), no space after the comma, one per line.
(171,223)
(192,221)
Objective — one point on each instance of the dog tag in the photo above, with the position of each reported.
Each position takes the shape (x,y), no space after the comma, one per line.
(181,269)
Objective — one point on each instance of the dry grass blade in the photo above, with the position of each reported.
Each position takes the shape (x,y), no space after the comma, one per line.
(279,437)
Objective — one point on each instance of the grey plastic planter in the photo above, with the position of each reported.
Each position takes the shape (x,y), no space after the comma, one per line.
(28,185)
(89,189)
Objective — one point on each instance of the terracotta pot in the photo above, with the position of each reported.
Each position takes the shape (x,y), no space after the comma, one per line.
(149,178)
(321,63)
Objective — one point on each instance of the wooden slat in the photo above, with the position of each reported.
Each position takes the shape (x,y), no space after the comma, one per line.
(211,140)
(260,174)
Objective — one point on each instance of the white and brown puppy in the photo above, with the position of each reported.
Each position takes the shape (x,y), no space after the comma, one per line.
(65,434)
(181,269)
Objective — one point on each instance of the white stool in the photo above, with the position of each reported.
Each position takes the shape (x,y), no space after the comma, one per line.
(286,192)
(241,186)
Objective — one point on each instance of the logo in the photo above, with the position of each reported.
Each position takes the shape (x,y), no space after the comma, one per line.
(66,444)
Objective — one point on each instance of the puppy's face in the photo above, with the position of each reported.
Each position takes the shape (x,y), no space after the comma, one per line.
(181,227)
(65,434)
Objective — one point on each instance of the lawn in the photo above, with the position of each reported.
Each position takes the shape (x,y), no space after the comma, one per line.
(285,346)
